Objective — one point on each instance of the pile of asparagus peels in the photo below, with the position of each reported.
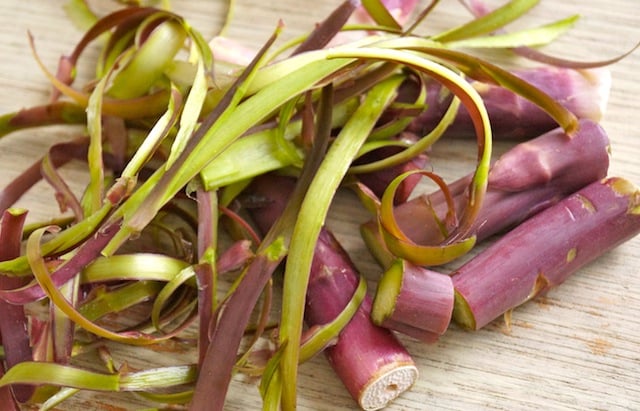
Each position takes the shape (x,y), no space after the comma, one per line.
(210,183)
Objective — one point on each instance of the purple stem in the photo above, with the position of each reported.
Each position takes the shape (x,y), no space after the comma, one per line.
(543,251)
(411,299)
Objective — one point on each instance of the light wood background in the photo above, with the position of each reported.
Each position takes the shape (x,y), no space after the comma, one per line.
(576,349)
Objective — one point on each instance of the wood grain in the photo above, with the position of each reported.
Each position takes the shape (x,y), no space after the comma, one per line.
(577,348)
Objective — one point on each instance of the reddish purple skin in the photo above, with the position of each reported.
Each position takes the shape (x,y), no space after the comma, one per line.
(514,117)
(591,221)
(528,178)
(333,279)
(425,300)
(364,351)
(267,198)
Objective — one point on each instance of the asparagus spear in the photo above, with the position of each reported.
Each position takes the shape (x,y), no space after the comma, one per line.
(528,178)
(414,300)
(545,250)
(373,365)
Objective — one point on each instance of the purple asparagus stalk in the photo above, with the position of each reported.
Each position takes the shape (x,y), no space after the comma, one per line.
(414,300)
(370,361)
(545,250)
(528,178)
(373,365)
(584,92)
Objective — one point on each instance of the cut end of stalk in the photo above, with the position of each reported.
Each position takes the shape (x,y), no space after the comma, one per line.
(462,314)
(389,286)
(387,387)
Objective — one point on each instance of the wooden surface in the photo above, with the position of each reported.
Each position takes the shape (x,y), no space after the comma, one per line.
(577,348)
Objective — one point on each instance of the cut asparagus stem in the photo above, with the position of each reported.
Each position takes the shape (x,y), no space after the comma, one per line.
(583,92)
(413,296)
(528,178)
(370,361)
(545,250)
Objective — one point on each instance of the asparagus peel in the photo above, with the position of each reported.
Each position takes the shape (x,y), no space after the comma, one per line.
(235,316)
(59,112)
(58,155)
(479,8)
